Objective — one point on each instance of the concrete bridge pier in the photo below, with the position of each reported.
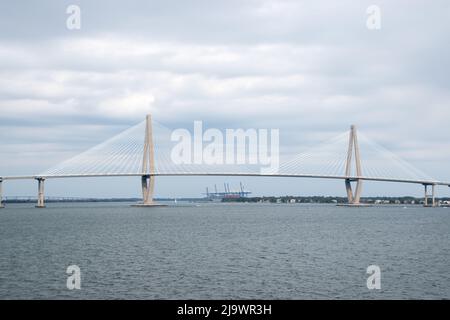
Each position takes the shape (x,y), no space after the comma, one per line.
(41,196)
(353,199)
(1,193)
(428,196)
(148,186)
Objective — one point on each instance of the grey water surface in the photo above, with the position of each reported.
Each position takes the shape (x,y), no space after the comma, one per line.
(223,251)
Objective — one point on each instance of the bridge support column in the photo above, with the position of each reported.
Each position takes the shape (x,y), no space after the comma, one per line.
(433,196)
(1,193)
(148,186)
(41,196)
(428,196)
(353,198)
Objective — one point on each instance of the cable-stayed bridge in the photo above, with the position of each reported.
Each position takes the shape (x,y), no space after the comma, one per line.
(149,149)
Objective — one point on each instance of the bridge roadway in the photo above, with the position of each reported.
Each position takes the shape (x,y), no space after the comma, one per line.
(313,176)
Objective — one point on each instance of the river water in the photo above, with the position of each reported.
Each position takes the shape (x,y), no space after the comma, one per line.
(224,251)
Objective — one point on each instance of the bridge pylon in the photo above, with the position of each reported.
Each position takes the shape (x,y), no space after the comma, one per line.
(353,151)
(148,167)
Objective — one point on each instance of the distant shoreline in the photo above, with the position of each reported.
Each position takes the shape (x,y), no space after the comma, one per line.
(267,199)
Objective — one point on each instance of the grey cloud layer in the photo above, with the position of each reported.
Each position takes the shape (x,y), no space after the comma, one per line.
(308,68)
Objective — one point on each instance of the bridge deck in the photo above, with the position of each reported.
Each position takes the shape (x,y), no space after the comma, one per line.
(423,182)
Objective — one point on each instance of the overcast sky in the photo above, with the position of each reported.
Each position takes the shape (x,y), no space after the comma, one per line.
(308,68)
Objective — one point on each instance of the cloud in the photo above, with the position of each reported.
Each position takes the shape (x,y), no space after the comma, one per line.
(132,104)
